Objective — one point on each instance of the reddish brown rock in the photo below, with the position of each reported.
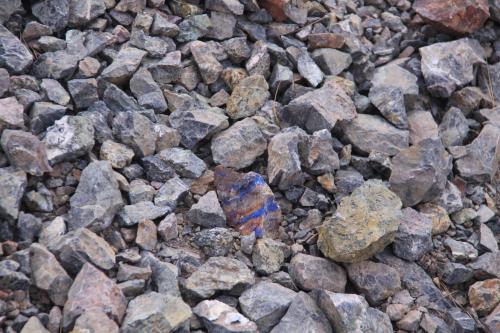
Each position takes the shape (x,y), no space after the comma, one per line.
(484,296)
(454,16)
(325,40)
(275,7)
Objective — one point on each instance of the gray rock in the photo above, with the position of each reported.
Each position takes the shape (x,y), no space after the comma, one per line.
(207,212)
(52,231)
(308,69)
(136,131)
(83,92)
(171,193)
(303,312)
(217,316)
(147,91)
(156,47)
(9,7)
(376,281)
(197,124)
(11,113)
(489,79)
(194,27)
(48,275)
(154,311)
(118,101)
(208,65)
(447,66)
(265,303)
(480,161)
(268,255)
(83,12)
(281,78)
(487,266)
(117,154)
(98,114)
(128,272)
(239,145)
(34,326)
(487,238)
(123,66)
(146,237)
(54,13)
(163,27)
(450,199)
(55,92)
(214,242)
(140,190)
(69,138)
(454,273)
(55,65)
(331,61)
(260,60)
(13,183)
(419,173)
(167,69)
(247,97)
(460,250)
(454,128)
(156,169)
(164,276)
(414,236)
(81,246)
(25,151)
(43,115)
(12,280)
(183,161)
(219,274)
(320,109)
(96,321)
(28,226)
(237,49)
(97,198)
(167,229)
(131,215)
(14,55)
(310,272)
(225,6)
(459,321)
(166,137)
(319,156)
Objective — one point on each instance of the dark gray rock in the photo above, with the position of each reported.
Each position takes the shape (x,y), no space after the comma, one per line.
(43,115)
(167,69)
(308,69)
(414,236)
(118,101)
(13,183)
(454,273)
(183,161)
(173,191)
(331,61)
(136,131)
(83,12)
(14,55)
(9,7)
(157,169)
(164,275)
(83,92)
(319,157)
(55,65)
(131,215)
(123,66)
(207,212)
(194,27)
(55,92)
(214,242)
(54,13)
(454,128)
(147,91)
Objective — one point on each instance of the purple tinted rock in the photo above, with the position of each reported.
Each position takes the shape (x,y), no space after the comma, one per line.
(248,202)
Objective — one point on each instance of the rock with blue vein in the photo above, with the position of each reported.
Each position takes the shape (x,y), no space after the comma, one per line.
(248,202)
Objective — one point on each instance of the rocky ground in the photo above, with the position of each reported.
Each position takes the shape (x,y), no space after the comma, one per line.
(249,166)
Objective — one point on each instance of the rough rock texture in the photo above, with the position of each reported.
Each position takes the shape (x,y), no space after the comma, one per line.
(247,97)
(217,316)
(14,55)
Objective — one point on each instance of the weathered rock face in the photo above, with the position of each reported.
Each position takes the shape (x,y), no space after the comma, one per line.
(484,296)
(97,198)
(458,17)
(247,97)
(414,236)
(319,109)
(248,202)
(447,66)
(136,131)
(124,65)
(365,223)
(11,113)
(419,173)
(220,317)
(92,290)
(13,183)
(14,55)
(207,212)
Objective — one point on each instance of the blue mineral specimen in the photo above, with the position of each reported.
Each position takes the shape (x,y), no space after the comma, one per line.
(248,202)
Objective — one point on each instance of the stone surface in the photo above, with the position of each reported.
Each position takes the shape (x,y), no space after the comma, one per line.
(268,255)
(484,296)
(147,91)
(414,236)
(454,128)
(365,223)
(208,65)
(214,242)
(308,69)
(217,316)
(184,162)
(117,154)
(11,113)
(136,131)
(95,322)
(171,193)
(13,183)
(131,215)
(123,66)
(207,212)
(247,97)
(146,235)
(14,55)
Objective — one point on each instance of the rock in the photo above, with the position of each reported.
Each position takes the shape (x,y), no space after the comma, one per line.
(55,65)
(450,199)
(171,193)
(167,229)
(376,281)
(163,27)
(55,92)
(239,145)
(247,97)
(69,138)
(12,280)
(310,272)
(54,13)
(14,55)
(268,255)
(308,69)
(414,236)
(454,128)
(214,242)
(260,59)
(97,198)
(208,65)
(81,246)
(155,311)
(92,290)
(219,274)
(83,92)
(133,6)
(128,272)
(419,173)
(487,266)
(484,296)
(147,92)
(265,303)
(13,183)
(167,69)
(25,151)
(43,115)
(248,202)
(303,312)
(487,238)
(460,250)
(372,202)
(118,155)
(325,40)
(220,317)
(319,156)
(319,109)
(136,131)
(28,227)
(438,215)
(166,137)
(123,66)
(447,66)
(367,133)
(131,215)
(197,124)
(11,113)
(461,17)
(281,78)
(9,7)
(351,313)
(283,164)
(458,321)
(82,13)
(156,169)
(226,6)
(146,235)
(48,275)
(464,215)
(331,61)
(410,322)
(95,322)
(480,162)
(194,27)
(185,162)
(164,276)
(34,326)
(207,212)
(118,101)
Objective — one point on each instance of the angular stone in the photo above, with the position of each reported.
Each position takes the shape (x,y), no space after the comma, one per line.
(167,228)
(208,65)
(308,69)
(13,183)
(367,133)
(331,61)
(281,78)
(184,162)
(123,66)
(83,12)
(422,126)
(171,193)
(55,92)
(69,138)
(81,246)
(12,280)
(166,137)
(167,69)
(14,55)
(484,296)
(48,275)
(147,91)
(11,113)
(163,27)
(460,250)
(487,266)
(118,155)
(156,47)
(248,202)
(247,97)
(131,215)
(303,312)
(128,272)
(154,311)
(320,109)
(217,316)
(487,238)
(480,162)
(365,223)
(43,115)
(55,65)
(265,303)
(156,169)
(25,151)
(164,276)
(493,320)
(207,212)
(447,66)
(462,17)
(133,6)
(414,236)
(83,92)
(260,59)
(194,27)
(454,128)
(54,13)
(319,157)
(239,145)
(268,255)
(136,131)
(95,322)
(146,235)
(34,326)
(92,290)
(310,272)
(225,6)
(9,7)
(219,274)
(214,242)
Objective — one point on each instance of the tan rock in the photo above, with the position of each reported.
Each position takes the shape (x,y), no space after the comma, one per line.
(484,296)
